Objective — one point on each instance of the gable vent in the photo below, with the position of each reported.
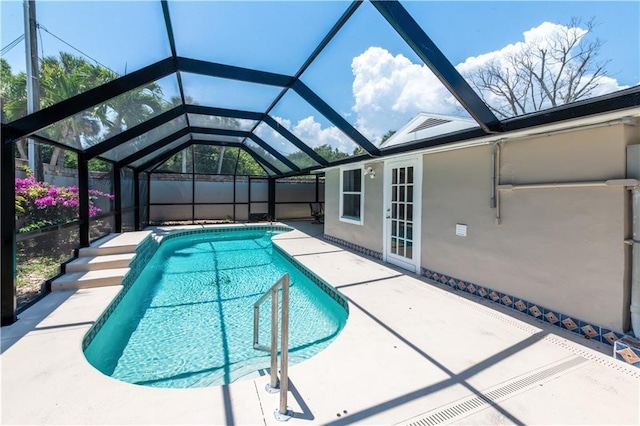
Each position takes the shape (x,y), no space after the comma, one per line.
(430,122)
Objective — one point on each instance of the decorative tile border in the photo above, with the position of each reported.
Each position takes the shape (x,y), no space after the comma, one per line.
(332,292)
(550,316)
(354,247)
(627,349)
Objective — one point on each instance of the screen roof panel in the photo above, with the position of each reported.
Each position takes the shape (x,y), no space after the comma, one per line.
(103,121)
(223,93)
(284,147)
(158,152)
(275,36)
(218,122)
(494,53)
(312,128)
(387,83)
(83,44)
(146,139)
(266,156)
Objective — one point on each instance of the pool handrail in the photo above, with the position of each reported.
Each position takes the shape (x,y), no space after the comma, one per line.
(282,413)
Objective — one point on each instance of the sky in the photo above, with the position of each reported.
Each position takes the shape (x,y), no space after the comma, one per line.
(367,73)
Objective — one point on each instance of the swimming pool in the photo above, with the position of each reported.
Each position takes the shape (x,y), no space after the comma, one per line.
(186,321)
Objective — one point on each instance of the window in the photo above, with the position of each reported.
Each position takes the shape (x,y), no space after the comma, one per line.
(351,196)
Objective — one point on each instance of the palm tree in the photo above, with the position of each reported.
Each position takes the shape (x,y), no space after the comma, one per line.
(60,79)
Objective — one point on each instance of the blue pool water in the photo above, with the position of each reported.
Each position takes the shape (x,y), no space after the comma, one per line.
(187,321)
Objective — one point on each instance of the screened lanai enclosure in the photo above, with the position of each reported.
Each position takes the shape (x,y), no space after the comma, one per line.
(119,115)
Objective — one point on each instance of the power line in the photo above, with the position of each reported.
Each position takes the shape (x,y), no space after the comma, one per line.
(11,45)
(76,49)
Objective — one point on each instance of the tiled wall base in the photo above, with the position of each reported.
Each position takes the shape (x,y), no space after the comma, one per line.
(627,349)
(354,247)
(583,328)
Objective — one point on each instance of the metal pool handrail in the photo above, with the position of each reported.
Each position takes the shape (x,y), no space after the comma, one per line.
(282,413)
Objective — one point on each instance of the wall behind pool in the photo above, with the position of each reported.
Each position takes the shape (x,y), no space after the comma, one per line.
(559,248)
(367,236)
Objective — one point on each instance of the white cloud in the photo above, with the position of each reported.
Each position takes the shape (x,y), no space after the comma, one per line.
(390,90)
(542,37)
(309,131)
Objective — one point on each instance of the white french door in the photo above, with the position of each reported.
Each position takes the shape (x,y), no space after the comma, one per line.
(403,195)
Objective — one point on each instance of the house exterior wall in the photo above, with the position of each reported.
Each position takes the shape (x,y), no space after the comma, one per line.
(561,248)
(369,234)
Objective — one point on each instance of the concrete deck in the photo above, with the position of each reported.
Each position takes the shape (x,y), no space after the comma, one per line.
(412,352)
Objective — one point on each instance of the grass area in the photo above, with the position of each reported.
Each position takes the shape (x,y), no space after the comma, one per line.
(32,273)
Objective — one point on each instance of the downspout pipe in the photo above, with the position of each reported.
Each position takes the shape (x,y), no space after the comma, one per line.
(635,261)
(494,203)
(633,172)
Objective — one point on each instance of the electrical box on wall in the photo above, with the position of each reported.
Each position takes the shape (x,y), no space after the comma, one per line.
(633,162)
(461,230)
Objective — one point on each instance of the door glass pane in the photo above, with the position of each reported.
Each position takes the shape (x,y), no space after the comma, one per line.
(409,212)
(401,192)
(394,211)
(410,193)
(394,176)
(409,231)
(409,174)
(394,246)
(400,247)
(401,214)
(402,175)
(394,193)
(409,253)
(394,227)
(401,229)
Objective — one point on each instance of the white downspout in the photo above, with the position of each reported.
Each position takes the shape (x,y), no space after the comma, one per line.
(635,261)
(633,172)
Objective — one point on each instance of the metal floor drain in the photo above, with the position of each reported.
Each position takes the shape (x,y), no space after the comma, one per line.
(465,406)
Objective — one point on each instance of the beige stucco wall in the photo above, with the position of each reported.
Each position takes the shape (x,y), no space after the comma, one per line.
(560,248)
(369,234)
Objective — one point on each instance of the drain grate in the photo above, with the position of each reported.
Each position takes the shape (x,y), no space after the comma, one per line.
(465,406)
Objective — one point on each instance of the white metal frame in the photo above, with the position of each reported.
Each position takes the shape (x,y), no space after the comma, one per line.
(416,162)
(341,216)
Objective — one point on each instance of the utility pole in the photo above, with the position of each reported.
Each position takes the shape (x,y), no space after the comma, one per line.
(33,82)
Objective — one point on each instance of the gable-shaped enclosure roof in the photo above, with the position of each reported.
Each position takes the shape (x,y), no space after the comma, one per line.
(267,78)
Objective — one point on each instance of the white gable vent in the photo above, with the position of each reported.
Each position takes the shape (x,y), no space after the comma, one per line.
(430,122)
(425,126)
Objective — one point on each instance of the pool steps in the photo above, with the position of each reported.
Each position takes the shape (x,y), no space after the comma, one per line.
(89,279)
(93,263)
(104,263)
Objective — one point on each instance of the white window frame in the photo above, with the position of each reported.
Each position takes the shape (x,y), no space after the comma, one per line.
(348,219)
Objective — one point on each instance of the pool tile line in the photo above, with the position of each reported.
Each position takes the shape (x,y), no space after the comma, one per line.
(328,289)
(541,313)
(145,250)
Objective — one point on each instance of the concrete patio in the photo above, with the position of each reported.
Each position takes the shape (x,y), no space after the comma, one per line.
(412,352)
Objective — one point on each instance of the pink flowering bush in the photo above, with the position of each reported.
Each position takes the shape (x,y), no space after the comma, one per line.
(42,204)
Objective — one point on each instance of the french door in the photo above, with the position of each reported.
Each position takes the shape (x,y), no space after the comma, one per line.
(403,196)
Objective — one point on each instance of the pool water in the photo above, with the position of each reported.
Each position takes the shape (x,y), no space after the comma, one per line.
(187,321)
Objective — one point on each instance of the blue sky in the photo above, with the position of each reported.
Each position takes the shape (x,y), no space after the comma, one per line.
(278,37)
